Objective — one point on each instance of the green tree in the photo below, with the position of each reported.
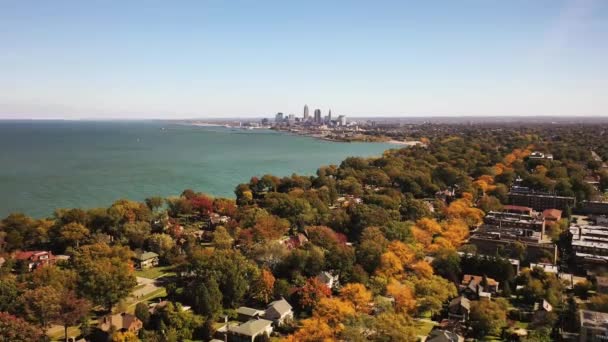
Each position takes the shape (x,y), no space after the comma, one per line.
(208,298)
(142,312)
(221,238)
(488,317)
(105,281)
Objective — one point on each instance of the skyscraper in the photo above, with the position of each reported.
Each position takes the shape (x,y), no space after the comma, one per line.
(318,118)
(305,112)
(278,118)
(329,116)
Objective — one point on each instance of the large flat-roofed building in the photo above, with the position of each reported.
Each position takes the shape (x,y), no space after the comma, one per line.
(519,224)
(594,207)
(593,326)
(504,230)
(539,200)
(590,245)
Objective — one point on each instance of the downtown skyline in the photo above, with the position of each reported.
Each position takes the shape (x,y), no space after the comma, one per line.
(224,60)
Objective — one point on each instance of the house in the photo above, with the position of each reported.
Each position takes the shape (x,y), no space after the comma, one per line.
(602,284)
(593,325)
(552,215)
(146,260)
(459,309)
(444,336)
(245,314)
(471,286)
(329,279)
(295,241)
(121,322)
(248,331)
(279,312)
(34,259)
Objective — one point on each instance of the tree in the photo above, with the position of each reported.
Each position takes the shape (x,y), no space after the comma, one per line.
(208,298)
(9,293)
(142,312)
(73,233)
(598,303)
(15,329)
(313,330)
(41,306)
(221,238)
(447,264)
(161,243)
(358,295)
(105,281)
(488,317)
(309,294)
(333,311)
(72,310)
(264,286)
(127,336)
(393,327)
(154,203)
(404,296)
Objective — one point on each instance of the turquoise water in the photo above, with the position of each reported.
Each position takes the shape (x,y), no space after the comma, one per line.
(63,164)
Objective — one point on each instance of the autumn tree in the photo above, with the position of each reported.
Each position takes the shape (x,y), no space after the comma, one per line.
(357,295)
(105,274)
(393,327)
(264,286)
(72,310)
(310,294)
(41,306)
(312,330)
(404,296)
(333,311)
(15,329)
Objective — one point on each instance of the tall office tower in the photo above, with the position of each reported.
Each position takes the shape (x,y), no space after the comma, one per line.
(278,118)
(305,112)
(318,118)
(329,116)
(342,120)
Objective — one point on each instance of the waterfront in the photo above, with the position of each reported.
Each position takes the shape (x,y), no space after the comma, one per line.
(56,164)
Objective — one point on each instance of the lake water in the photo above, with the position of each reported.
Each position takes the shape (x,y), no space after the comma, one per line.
(63,164)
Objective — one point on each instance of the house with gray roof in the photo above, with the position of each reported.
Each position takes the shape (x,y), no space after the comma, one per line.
(248,331)
(146,260)
(279,312)
(245,313)
(459,309)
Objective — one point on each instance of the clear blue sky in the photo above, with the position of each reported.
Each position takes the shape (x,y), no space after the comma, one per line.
(174,59)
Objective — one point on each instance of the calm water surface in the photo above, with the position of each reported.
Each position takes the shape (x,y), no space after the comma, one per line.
(63,164)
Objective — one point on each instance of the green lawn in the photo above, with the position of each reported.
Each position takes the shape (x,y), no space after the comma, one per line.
(423,328)
(155,272)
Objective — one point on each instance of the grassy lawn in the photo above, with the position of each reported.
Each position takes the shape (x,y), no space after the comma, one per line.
(423,328)
(155,272)
(59,335)
(161,292)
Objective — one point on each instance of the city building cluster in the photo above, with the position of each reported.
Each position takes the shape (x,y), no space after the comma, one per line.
(316,119)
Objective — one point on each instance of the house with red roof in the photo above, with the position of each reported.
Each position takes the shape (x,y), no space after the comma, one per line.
(34,259)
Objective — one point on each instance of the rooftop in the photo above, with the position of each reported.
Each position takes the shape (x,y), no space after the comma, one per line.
(251,328)
(146,256)
(593,319)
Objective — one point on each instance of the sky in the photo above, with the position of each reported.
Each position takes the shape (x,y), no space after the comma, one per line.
(213,58)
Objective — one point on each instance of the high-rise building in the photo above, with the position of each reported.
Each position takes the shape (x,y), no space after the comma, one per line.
(318,118)
(305,112)
(342,120)
(329,116)
(278,118)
